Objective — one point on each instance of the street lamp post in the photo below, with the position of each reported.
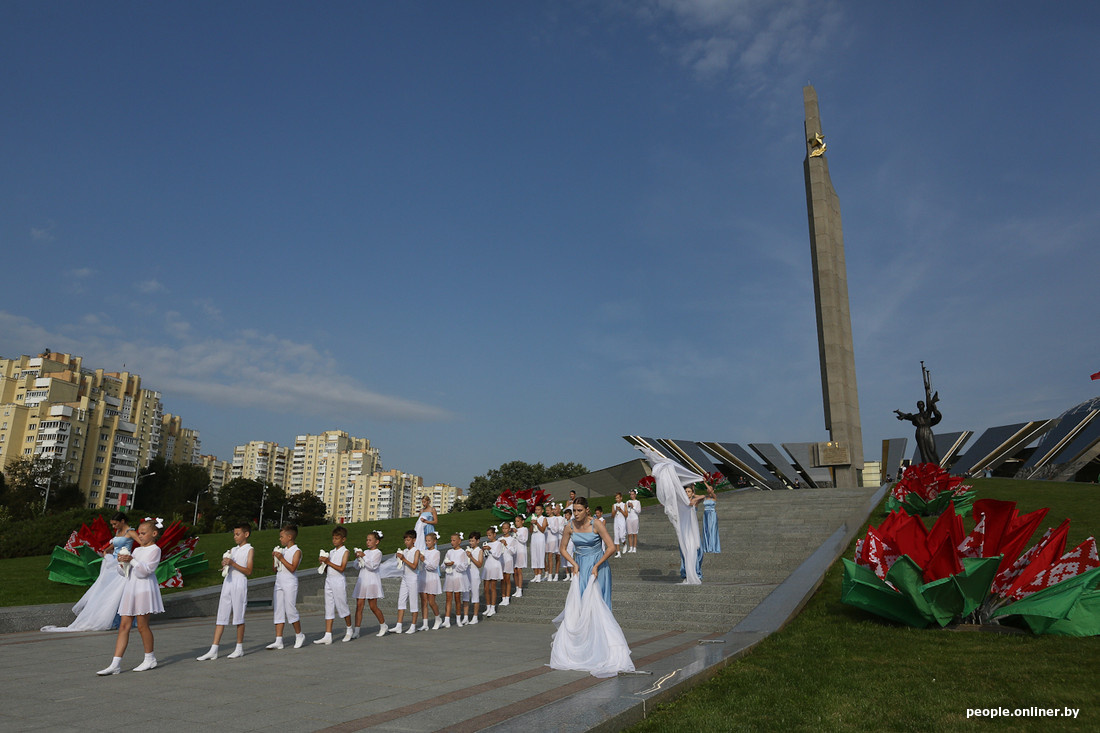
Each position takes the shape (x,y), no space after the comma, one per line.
(195,520)
(133,494)
(263,495)
(49,484)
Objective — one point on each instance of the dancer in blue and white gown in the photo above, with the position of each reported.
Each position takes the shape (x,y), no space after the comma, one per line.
(588,638)
(711,542)
(425,523)
(671,478)
(97,609)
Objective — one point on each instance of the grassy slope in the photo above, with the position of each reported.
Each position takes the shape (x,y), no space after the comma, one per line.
(24,580)
(837,668)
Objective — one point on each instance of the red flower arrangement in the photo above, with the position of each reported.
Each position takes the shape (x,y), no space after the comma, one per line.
(907,573)
(926,489)
(511,504)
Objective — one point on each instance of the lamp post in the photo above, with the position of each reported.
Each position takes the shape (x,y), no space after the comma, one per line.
(195,520)
(133,494)
(49,484)
(263,495)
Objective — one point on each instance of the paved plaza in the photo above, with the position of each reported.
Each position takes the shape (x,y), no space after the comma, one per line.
(492,676)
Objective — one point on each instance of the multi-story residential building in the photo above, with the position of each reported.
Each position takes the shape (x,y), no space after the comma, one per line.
(103,426)
(261,460)
(329,465)
(179,444)
(220,472)
(443,497)
(388,495)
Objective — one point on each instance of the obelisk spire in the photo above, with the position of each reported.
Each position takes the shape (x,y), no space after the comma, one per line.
(834,323)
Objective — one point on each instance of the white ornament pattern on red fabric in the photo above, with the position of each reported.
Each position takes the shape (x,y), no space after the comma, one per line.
(1006,577)
(974,543)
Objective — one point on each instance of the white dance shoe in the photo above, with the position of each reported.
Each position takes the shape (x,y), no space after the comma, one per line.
(519,593)
(395,629)
(439,623)
(212,654)
(299,641)
(326,640)
(277,644)
(236,653)
(149,663)
(411,629)
(505,602)
(115,668)
(472,621)
(446,623)
(382,630)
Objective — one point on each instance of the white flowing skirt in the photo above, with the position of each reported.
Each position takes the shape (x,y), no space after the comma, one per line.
(97,608)
(588,638)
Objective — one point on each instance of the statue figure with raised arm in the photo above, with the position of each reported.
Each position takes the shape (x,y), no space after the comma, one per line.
(927,416)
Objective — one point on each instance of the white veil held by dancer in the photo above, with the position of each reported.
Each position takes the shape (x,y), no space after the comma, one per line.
(671,478)
(420,544)
(589,639)
(96,610)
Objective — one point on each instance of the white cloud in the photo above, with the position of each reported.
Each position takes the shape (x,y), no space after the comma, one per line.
(82,273)
(747,39)
(150,286)
(249,370)
(43,234)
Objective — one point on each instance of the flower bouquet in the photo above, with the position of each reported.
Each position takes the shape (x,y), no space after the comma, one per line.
(920,577)
(926,489)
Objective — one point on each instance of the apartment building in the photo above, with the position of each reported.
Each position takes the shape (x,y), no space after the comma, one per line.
(220,472)
(443,497)
(103,426)
(261,460)
(387,495)
(329,465)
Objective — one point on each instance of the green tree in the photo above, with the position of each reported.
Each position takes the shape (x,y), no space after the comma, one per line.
(516,475)
(305,510)
(28,478)
(240,501)
(169,489)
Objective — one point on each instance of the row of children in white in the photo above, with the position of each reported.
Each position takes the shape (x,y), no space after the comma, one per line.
(466,571)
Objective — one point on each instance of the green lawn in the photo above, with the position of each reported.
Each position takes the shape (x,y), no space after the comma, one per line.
(836,668)
(24,579)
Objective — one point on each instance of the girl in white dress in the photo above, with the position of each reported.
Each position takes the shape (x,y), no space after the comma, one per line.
(429,581)
(476,555)
(507,562)
(554,526)
(567,545)
(521,534)
(538,544)
(633,514)
(455,580)
(491,570)
(140,597)
(618,520)
(368,588)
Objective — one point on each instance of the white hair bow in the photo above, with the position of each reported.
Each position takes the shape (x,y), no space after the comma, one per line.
(378,532)
(158,522)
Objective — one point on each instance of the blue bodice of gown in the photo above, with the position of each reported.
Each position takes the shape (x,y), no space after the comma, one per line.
(588,549)
(120,541)
(709,505)
(426,518)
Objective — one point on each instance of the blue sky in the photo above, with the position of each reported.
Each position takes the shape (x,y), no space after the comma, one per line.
(481,232)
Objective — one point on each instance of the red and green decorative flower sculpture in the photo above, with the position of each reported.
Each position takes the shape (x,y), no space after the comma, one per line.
(920,577)
(77,563)
(926,490)
(716,479)
(647,487)
(511,504)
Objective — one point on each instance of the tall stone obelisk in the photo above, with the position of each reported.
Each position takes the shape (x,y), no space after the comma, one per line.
(834,322)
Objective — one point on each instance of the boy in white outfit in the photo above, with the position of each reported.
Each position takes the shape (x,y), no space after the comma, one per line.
(236,567)
(336,586)
(409,595)
(285,599)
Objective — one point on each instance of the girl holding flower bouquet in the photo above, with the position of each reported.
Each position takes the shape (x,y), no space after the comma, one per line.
(140,597)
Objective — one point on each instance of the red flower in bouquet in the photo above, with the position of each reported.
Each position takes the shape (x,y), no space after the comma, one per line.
(917,576)
(926,489)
